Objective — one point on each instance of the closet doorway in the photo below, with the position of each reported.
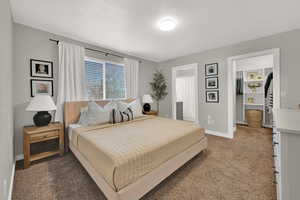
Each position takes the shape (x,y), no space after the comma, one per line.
(253,89)
(185,92)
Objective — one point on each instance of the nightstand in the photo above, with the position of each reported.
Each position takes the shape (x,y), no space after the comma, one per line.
(34,134)
(151,112)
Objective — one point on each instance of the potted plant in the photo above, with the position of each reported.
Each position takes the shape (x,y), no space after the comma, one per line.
(159,87)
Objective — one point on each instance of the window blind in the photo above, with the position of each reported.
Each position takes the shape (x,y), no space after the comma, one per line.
(94,79)
(105,80)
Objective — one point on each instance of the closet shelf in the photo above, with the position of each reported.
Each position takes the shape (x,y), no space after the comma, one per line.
(254,104)
(254,93)
(247,81)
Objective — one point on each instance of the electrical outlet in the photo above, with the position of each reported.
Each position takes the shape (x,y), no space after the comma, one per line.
(4,188)
(210,120)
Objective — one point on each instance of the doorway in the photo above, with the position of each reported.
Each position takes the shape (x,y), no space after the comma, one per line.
(254,91)
(232,75)
(185,93)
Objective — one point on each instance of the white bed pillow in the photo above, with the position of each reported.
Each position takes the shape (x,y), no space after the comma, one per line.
(94,114)
(135,107)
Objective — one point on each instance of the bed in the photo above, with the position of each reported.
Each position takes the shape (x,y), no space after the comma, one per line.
(126,160)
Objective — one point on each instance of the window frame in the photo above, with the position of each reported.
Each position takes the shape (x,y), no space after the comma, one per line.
(103,62)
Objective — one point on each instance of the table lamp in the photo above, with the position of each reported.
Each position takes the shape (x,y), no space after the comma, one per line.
(147,99)
(41,104)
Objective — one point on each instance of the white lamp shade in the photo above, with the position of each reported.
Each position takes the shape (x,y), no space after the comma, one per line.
(147,98)
(41,103)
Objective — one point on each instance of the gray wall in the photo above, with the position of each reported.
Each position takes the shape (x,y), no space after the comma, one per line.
(6,118)
(289,44)
(34,43)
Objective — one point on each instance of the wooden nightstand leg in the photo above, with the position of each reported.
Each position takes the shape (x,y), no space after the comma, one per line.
(26,151)
(61,142)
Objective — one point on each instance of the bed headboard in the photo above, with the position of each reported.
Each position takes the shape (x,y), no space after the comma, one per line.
(72,109)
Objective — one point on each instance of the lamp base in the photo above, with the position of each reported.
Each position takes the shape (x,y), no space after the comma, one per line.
(42,118)
(147,107)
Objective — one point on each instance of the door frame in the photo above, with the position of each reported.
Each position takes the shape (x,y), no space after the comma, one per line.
(193,66)
(231,76)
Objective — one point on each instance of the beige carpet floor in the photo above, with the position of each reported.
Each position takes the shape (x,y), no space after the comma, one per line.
(238,169)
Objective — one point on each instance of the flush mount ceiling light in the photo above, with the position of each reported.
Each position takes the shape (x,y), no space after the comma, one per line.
(167,24)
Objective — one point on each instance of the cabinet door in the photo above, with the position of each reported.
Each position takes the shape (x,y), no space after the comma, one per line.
(277,162)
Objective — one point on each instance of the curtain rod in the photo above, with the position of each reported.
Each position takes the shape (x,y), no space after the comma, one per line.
(96,50)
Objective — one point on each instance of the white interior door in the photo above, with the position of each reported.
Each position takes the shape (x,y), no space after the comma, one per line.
(185,92)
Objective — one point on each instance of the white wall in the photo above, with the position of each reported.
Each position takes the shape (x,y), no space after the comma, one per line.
(34,43)
(289,44)
(6,117)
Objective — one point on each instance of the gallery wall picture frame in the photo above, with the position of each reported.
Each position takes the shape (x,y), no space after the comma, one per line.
(212,83)
(41,68)
(211,69)
(212,96)
(38,86)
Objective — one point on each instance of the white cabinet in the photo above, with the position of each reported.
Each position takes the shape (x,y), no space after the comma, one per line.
(277,161)
(286,147)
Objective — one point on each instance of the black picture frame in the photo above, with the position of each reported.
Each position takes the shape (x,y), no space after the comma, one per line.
(207,79)
(216,70)
(49,71)
(216,92)
(32,93)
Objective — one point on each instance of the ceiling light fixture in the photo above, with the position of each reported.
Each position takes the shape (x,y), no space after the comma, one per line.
(167,24)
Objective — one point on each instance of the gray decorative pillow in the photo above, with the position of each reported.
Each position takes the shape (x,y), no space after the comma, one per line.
(96,114)
(83,116)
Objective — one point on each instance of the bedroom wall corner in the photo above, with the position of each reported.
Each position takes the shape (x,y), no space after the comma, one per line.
(34,43)
(6,115)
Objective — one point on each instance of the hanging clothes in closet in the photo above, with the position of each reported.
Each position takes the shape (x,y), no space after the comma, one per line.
(239,83)
(269,91)
(269,98)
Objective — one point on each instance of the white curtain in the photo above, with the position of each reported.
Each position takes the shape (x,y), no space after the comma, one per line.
(71,76)
(185,92)
(131,77)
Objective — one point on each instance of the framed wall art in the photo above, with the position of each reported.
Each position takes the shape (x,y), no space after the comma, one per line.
(211,83)
(41,68)
(212,96)
(41,87)
(211,69)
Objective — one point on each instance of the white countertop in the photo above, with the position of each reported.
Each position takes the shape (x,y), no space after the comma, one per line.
(287,120)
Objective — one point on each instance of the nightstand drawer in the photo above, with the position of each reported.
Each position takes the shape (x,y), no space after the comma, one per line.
(44,136)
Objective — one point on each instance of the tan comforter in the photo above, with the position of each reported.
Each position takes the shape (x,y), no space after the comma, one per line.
(123,152)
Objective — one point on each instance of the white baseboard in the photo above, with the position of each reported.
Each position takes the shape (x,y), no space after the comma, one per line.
(216,133)
(242,122)
(19,157)
(12,181)
(267,126)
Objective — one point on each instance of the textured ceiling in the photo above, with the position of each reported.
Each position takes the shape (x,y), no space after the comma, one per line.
(130,26)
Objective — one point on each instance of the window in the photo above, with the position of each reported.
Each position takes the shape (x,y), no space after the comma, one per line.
(94,79)
(105,80)
(114,81)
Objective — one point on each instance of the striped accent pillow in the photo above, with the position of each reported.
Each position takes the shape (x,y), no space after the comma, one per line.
(119,116)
